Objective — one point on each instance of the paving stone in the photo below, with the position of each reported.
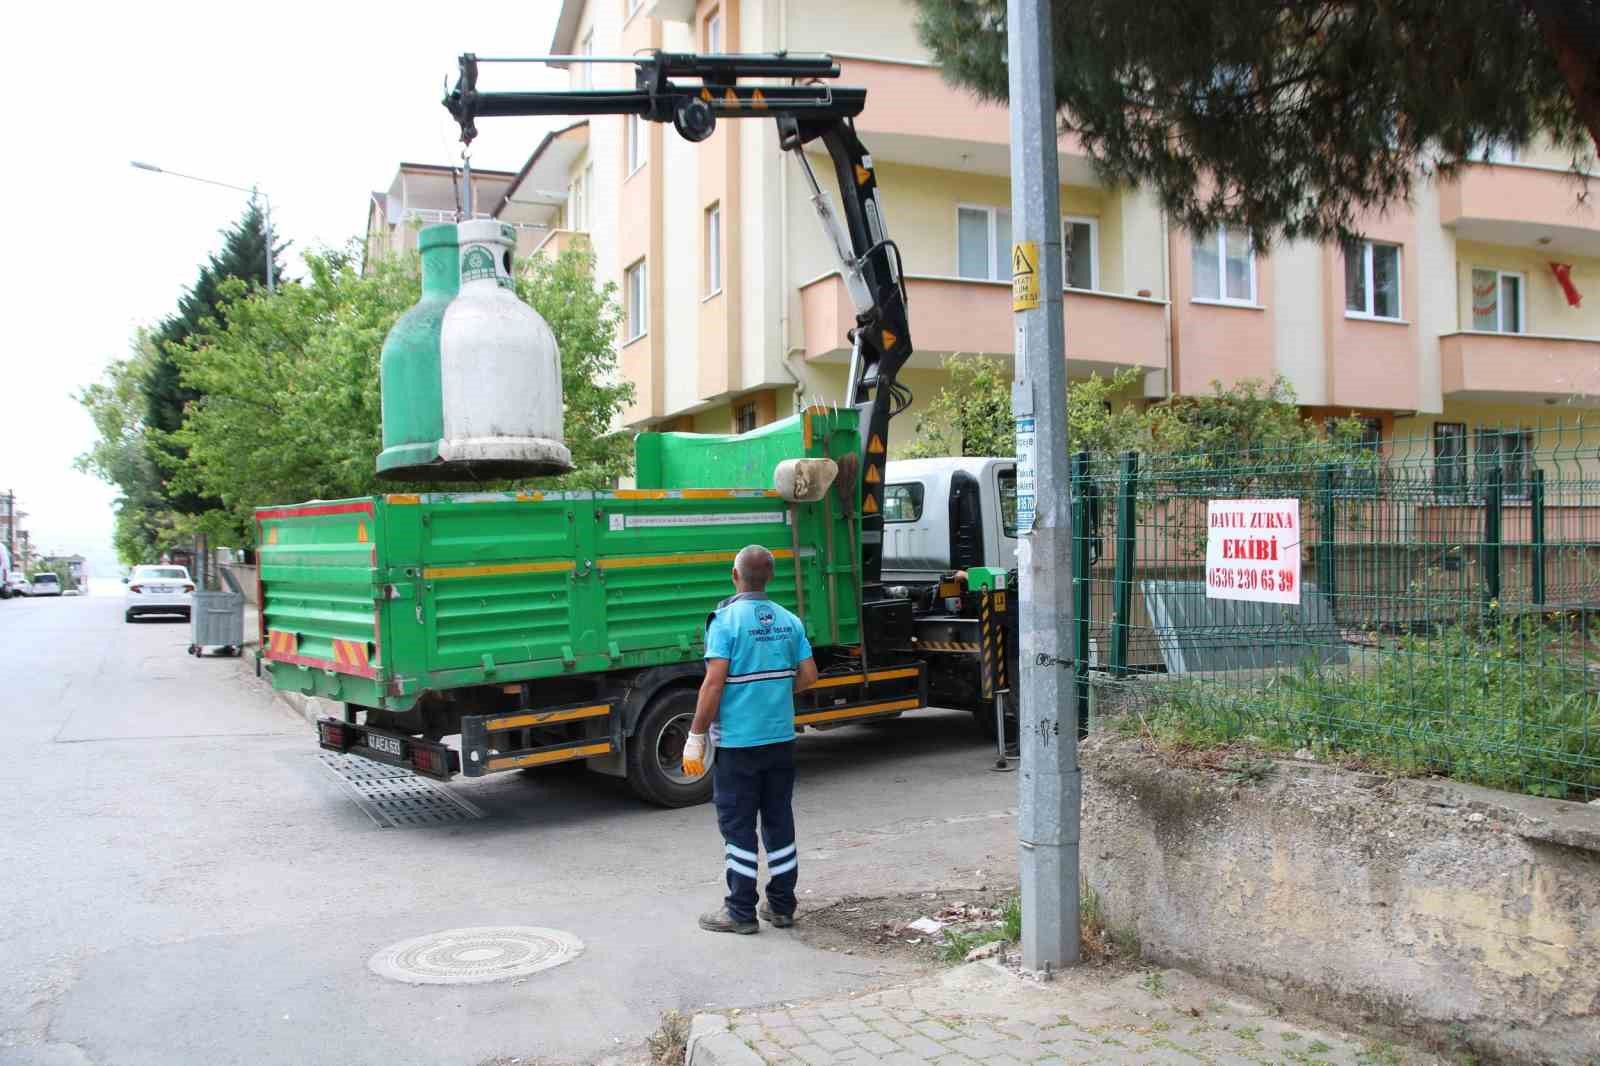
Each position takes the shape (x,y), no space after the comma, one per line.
(875,1042)
(787,1035)
(1002,1060)
(834,1010)
(869,1012)
(748,1032)
(849,1023)
(829,1040)
(901,1058)
(767,1049)
(918,1044)
(893,1027)
(935,1030)
(971,1046)
(812,1054)
(773,1018)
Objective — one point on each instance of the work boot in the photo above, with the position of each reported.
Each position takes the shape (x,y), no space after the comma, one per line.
(779,921)
(723,922)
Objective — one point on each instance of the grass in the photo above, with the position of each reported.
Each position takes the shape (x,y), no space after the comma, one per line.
(1507,705)
(669,1042)
(1097,942)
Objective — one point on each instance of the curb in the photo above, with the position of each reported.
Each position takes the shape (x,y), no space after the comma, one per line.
(711,1043)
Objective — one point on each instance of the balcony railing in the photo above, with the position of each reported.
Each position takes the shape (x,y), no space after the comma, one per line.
(1106,331)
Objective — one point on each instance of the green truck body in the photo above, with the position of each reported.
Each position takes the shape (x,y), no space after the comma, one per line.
(377,600)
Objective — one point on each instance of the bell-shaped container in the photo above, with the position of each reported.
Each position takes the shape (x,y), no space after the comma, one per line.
(471,375)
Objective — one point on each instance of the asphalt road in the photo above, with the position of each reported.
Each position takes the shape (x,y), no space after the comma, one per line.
(182,880)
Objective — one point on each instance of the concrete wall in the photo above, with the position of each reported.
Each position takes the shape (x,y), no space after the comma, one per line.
(1461,913)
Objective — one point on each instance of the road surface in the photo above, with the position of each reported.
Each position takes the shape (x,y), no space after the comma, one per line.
(185,881)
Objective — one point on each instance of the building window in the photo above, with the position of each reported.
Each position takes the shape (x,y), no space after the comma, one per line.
(1495,152)
(1450,458)
(714,32)
(713,249)
(1080,250)
(1509,450)
(638,147)
(1224,266)
(902,503)
(636,286)
(585,71)
(578,199)
(983,243)
(744,417)
(1371,280)
(1497,301)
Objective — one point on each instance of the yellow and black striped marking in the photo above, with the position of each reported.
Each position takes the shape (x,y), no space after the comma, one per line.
(865,710)
(537,718)
(966,647)
(551,755)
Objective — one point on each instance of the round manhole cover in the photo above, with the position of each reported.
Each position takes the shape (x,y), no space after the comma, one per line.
(472,956)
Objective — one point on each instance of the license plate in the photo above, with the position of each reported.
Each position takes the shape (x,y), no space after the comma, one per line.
(387,745)
(160,588)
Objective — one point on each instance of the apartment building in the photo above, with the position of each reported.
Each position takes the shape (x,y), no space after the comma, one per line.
(422,194)
(1459,312)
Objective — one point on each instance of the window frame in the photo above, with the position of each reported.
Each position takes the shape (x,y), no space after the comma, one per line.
(579,193)
(1499,304)
(1222,297)
(751,408)
(637,309)
(586,70)
(999,265)
(712,32)
(636,147)
(1094,251)
(711,252)
(916,492)
(1454,484)
(1367,271)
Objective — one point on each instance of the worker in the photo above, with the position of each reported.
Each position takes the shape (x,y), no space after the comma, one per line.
(757,658)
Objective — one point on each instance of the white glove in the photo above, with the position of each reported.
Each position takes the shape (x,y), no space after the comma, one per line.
(694,755)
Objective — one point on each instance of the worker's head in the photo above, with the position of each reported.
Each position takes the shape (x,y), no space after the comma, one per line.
(752,569)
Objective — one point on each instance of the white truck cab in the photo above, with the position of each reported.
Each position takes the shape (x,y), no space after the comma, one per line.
(941,515)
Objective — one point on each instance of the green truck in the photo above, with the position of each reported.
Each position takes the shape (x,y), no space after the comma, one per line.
(543,627)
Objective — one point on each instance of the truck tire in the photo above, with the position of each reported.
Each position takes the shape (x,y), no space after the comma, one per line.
(655,753)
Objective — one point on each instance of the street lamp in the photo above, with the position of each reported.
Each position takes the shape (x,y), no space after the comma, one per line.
(252,190)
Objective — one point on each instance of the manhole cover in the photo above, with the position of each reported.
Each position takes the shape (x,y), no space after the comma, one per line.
(393,796)
(476,955)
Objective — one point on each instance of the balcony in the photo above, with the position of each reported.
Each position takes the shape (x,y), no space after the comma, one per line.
(1519,367)
(1106,332)
(1515,204)
(559,241)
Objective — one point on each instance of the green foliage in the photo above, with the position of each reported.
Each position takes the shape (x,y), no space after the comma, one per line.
(288,386)
(1011,919)
(1292,118)
(1506,705)
(1250,423)
(121,456)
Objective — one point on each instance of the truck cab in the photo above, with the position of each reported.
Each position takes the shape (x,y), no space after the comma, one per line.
(943,515)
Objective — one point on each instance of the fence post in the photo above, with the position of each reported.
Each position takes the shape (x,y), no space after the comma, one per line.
(1536,507)
(1122,582)
(1080,590)
(1325,561)
(1490,555)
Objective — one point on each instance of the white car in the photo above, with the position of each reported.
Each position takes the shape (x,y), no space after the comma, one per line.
(159,590)
(44,585)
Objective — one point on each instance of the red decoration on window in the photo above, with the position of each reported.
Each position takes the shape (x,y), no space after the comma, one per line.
(1563,273)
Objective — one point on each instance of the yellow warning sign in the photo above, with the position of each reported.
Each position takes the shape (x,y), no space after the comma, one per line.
(875,446)
(1025,275)
(361,532)
(869,506)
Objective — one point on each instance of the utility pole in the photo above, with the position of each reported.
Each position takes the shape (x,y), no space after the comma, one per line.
(254,191)
(1049,782)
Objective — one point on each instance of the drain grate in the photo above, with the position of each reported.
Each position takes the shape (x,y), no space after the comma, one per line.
(394,797)
(476,955)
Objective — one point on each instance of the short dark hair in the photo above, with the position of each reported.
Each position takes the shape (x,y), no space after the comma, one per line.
(754,565)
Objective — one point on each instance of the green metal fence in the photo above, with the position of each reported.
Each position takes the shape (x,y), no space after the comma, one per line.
(1449,588)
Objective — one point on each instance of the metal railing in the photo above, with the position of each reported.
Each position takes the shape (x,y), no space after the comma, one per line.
(1445,622)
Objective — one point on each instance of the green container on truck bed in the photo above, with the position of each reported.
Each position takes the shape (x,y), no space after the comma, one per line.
(377,601)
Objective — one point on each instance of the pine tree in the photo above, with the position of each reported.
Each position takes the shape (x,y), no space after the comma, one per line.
(243,256)
(1294,117)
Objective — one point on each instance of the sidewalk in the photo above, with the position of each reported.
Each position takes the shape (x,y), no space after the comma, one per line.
(980,1013)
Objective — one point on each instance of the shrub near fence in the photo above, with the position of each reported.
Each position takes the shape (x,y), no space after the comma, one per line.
(1447,620)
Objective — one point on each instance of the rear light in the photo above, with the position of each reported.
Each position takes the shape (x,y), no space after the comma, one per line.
(430,760)
(332,735)
(135,588)
(188,587)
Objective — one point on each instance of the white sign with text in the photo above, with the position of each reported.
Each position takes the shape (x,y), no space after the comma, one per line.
(1253,550)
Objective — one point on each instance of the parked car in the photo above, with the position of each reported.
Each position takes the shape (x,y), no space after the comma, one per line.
(159,590)
(46,584)
(7,575)
(17,584)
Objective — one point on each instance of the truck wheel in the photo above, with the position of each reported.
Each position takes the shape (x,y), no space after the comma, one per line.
(655,753)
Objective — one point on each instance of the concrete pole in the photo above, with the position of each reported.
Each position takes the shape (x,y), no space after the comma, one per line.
(1049,780)
(266,224)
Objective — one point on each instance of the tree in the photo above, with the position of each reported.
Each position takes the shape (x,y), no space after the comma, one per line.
(1244,425)
(122,455)
(288,404)
(1294,117)
(243,257)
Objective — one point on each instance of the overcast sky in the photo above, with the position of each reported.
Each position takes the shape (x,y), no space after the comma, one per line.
(316,102)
